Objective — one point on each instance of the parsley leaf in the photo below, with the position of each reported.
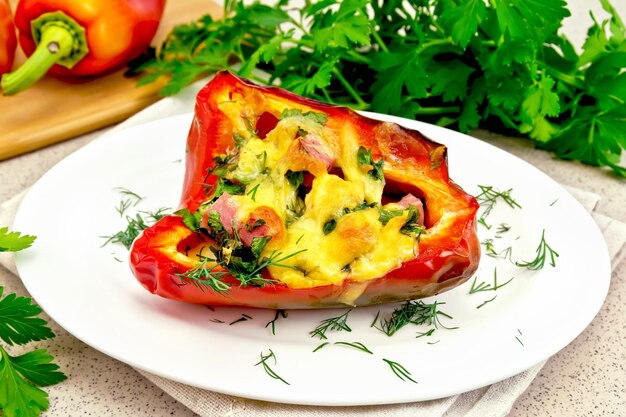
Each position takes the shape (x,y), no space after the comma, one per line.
(14,241)
(19,322)
(18,396)
(500,65)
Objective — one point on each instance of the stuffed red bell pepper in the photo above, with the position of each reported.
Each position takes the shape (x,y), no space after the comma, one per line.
(293,203)
(8,41)
(80,38)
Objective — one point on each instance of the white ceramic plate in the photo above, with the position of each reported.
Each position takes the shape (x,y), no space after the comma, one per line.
(89,290)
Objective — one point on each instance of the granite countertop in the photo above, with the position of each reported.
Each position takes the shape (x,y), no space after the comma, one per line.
(585,378)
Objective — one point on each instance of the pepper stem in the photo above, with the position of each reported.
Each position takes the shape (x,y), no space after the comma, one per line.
(60,41)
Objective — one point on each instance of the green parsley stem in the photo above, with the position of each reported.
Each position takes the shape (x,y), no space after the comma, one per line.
(361,105)
(437,110)
(435,42)
(356,57)
(508,122)
(378,40)
(574,81)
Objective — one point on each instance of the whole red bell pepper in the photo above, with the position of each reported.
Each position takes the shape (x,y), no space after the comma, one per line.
(8,41)
(446,251)
(72,38)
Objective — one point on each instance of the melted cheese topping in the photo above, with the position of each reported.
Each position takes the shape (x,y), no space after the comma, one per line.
(359,247)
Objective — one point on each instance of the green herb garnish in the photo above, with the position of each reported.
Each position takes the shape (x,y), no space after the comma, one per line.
(412,225)
(272,323)
(413,312)
(320,346)
(264,361)
(232,258)
(14,241)
(356,345)
(543,251)
(206,274)
(483,286)
(131,199)
(338,323)
(22,375)
(329,226)
(386,215)
(364,157)
(465,64)
(400,371)
(135,225)
(488,198)
(295,178)
(191,220)
(317,117)
(487,301)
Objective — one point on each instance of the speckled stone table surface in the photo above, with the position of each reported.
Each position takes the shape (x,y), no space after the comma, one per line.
(587,378)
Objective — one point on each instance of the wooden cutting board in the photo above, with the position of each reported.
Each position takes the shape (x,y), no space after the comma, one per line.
(53,110)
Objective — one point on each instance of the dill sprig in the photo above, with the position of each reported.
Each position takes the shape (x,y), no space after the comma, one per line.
(338,323)
(253,276)
(486,301)
(484,286)
(356,345)
(264,361)
(135,225)
(253,191)
(243,263)
(425,334)
(279,313)
(206,274)
(411,226)
(488,198)
(502,229)
(320,346)
(543,251)
(400,371)
(244,317)
(414,312)
(489,247)
(490,250)
(131,199)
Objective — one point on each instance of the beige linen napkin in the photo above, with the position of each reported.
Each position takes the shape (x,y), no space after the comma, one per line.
(494,400)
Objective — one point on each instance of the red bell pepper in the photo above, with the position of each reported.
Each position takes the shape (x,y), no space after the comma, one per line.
(8,41)
(80,38)
(446,251)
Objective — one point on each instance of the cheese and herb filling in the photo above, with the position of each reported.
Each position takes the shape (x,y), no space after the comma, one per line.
(305,201)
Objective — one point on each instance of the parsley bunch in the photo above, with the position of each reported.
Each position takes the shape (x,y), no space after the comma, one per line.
(500,65)
(20,376)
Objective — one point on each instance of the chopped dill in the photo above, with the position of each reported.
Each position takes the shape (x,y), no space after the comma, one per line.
(135,225)
(483,286)
(279,313)
(400,371)
(488,198)
(542,252)
(357,345)
(244,317)
(264,362)
(252,192)
(487,301)
(320,346)
(413,312)
(338,323)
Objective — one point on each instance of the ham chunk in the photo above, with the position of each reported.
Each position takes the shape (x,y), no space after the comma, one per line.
(411,200)
(315,147)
